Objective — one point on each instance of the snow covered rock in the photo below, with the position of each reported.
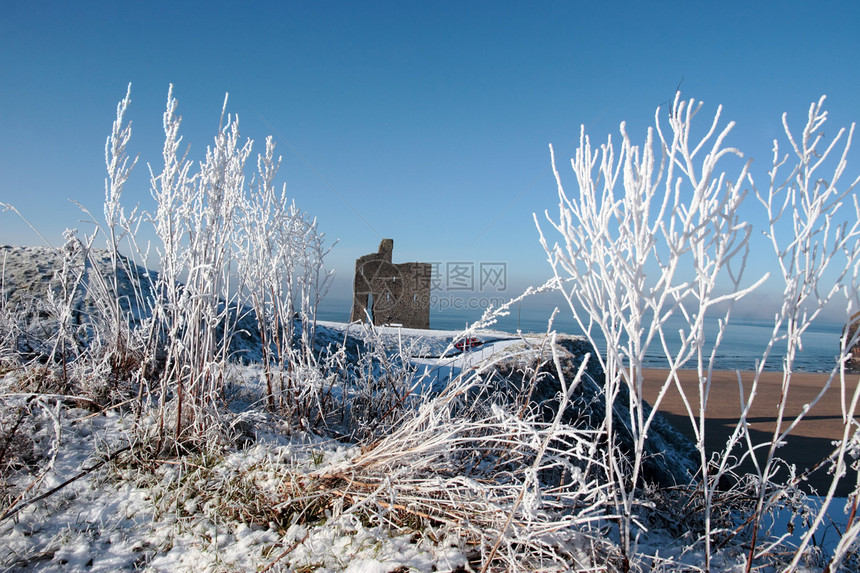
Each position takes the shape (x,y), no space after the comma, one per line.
(670,457)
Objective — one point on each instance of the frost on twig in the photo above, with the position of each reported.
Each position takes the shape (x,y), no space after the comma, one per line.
(658,232)
(630,237)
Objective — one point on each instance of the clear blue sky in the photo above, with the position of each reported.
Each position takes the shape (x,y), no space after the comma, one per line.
(430,119)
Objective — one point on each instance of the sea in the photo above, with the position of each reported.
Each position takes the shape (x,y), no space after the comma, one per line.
(742,347)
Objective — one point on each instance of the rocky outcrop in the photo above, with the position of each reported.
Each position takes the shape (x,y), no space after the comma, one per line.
(670,457)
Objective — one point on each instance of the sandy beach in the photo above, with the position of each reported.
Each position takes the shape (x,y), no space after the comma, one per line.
(809,442)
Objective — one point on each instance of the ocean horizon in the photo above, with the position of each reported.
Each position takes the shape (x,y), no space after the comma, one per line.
(742,347)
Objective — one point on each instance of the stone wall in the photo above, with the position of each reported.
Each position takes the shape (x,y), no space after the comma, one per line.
(393,293)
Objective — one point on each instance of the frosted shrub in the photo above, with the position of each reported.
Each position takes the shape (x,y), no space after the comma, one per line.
(93,320)
(818,255)
(521,488)
(99,297)
(653,233)
(116,332)
(612,243)
(221,246)
(229,254)
(379,384)
(280,262)
(61,303)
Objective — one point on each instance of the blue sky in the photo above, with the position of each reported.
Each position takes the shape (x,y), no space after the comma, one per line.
(429,119)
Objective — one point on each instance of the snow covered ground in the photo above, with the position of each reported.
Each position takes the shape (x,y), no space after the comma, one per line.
(204,514)
(187,516)
(112,520)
